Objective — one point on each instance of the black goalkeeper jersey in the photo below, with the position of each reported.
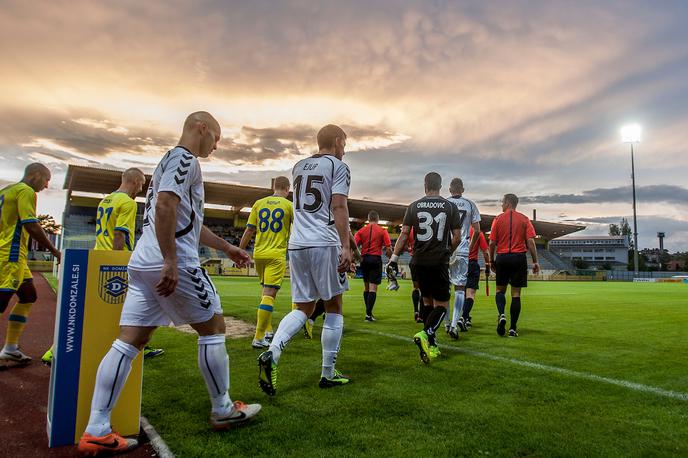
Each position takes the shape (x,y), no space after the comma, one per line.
(432,220)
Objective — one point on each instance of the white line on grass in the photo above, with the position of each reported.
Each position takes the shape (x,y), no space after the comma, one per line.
(681,396)
(156,441)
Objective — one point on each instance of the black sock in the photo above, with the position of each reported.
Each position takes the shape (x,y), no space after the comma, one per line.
(319,310)
(467,306)
(425,312)
(415,296)
(500,299)
(371,302)
(433,322)
(515,311)
(366,294)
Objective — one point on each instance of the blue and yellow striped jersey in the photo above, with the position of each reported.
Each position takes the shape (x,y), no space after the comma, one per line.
(272,217)
(116,212)
(17,207)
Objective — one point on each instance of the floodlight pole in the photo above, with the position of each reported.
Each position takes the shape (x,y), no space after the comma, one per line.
(635,220)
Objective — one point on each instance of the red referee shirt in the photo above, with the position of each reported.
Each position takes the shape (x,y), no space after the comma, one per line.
(371,239)
(481,245)
(510,231)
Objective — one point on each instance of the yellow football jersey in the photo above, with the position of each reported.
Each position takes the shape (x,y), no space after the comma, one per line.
(272,217)
(116,212)
(17,207)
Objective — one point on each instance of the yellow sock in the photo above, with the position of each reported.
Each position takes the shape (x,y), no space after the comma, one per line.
(293,306)
(264,316)
(16,322)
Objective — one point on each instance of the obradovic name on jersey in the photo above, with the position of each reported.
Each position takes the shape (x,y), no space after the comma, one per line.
(179,173)
(468,214)
(432,220)
(316,179)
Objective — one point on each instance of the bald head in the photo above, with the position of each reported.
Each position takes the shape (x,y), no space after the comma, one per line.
(34,168)
(133,180)
(37,176)
(201,134)
(199,117)
(132,174)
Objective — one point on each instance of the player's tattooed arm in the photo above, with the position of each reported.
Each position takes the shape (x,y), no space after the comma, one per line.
(246,238)
(165,225)
(236,254)
(340,212)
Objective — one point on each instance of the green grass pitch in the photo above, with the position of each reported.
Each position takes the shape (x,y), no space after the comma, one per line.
(599,370)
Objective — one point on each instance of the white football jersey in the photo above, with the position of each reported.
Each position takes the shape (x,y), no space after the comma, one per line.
(315,180)
(180,173)
(468,214)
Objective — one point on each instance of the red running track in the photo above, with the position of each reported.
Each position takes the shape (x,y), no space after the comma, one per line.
(24,390)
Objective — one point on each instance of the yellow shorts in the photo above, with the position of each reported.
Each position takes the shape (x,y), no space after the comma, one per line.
(13,274)
(271,272)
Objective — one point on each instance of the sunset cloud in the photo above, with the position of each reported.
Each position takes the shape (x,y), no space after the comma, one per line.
(522,96)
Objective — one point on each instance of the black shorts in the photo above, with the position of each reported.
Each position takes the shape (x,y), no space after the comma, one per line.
(371,268)
(473,275)
(512,269)
(432,280)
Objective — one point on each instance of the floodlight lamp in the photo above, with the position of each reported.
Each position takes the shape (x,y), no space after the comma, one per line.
(631,133)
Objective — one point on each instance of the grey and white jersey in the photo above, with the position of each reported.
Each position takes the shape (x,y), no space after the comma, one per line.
(179,173)
(468,214)
(316,179)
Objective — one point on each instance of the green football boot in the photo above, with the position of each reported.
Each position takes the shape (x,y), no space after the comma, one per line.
(337,380)
(267,373)
(47,357)
(421,340)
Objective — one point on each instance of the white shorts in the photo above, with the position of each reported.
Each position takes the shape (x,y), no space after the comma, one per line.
(314,274)
(195,299)
(458,271)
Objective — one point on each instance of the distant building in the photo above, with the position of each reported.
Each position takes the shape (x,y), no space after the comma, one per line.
(594,250)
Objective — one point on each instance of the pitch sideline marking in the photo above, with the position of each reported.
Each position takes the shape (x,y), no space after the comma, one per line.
(156,441)
(681,396)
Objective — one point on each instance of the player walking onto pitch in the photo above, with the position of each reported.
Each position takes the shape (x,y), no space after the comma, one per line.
(473,279)
(115,226)
(511,232)
(469,218)
(18,222)
(166,283)
(437,229)
(319,256)
(371,239)
(271,218)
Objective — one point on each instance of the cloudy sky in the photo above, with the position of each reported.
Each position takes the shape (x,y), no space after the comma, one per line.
(519,96)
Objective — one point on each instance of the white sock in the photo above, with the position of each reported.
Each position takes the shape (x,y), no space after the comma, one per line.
(11,348)
(214,364)
(447,322)
(458,307)
(288,327)
(330,339)
(110,379)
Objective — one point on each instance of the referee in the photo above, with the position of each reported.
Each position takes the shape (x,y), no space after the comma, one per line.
(511,233)
(371,239)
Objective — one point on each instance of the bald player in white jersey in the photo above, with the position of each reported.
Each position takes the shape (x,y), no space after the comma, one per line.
(458,263)
(319,256)
(167,284)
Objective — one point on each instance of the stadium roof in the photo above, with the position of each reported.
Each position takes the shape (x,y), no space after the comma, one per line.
(104,181)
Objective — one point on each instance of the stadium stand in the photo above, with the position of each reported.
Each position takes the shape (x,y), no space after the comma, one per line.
(229,222)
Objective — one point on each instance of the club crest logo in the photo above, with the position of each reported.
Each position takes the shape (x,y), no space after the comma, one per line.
(113,284)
